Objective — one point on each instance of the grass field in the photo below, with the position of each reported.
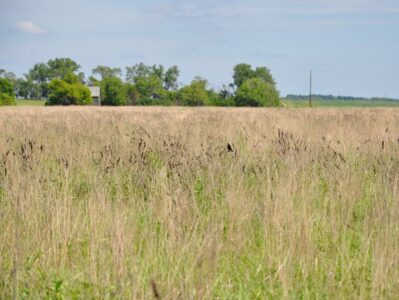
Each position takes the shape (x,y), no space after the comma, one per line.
(337,103)
(22,102)
(199,203)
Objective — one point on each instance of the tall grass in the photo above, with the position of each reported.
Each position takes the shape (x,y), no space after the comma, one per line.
(179,203)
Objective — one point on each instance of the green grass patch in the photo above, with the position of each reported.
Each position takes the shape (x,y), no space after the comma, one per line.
(29,102)
(338,103)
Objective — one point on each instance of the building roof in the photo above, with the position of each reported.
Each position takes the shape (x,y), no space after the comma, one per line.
(95,91)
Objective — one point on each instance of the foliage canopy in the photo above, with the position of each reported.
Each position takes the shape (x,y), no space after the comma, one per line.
(7,96)
(194,94)
(113,91)
(64,93)
(256,92)
(60,82)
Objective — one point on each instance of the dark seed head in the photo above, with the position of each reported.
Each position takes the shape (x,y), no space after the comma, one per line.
(155,290)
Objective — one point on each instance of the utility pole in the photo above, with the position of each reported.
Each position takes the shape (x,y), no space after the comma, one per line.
(310,90)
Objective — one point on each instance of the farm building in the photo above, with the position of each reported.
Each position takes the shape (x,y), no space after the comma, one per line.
(95,94)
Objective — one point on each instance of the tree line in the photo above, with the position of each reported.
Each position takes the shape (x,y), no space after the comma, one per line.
(61,82)
(337,98)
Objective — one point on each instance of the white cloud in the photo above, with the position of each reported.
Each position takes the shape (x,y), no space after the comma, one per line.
(30,27)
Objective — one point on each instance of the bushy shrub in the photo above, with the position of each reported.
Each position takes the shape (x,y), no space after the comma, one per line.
(7,96)
(162,98)
(6,99)
(64,93)
(6,87)
(218,99)
(257,92)
(81,94)
(194,94)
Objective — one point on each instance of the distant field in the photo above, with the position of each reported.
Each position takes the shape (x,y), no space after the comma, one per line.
(346,103)
(30,102)
(199,203)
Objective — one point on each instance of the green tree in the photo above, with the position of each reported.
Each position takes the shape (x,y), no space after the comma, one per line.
(7,96)
(265,74)
(10,80)
(158,71)
(60,67)
(40,75)
(72,78)
(137,71)
(227,91)
(149,87)
(27,88)
(93,81)
(64,93)
(132,94)
(6,99)
(194,94)
(113,92)
(150,82)
(243,72)
(107,72)
(171,78)
(81,77)
(6,87)
(168,98)
(140,71)
(225,96)
(10,76)
(257,92)
(22,88)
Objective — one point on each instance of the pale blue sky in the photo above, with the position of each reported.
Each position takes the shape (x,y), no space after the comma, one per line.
(352,46)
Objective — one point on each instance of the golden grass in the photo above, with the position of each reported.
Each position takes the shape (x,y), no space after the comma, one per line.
(141,203)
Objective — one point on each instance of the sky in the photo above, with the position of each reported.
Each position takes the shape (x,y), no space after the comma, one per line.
(351,46)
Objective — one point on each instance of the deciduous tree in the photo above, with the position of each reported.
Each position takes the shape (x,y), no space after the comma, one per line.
(113,91)
(64,93)
(194,94)
(257,92)
(107,72)
(7,96)
(171,78)
(243,72)
(60,67)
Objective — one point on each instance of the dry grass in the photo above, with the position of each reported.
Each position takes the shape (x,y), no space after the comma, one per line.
(179,203)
